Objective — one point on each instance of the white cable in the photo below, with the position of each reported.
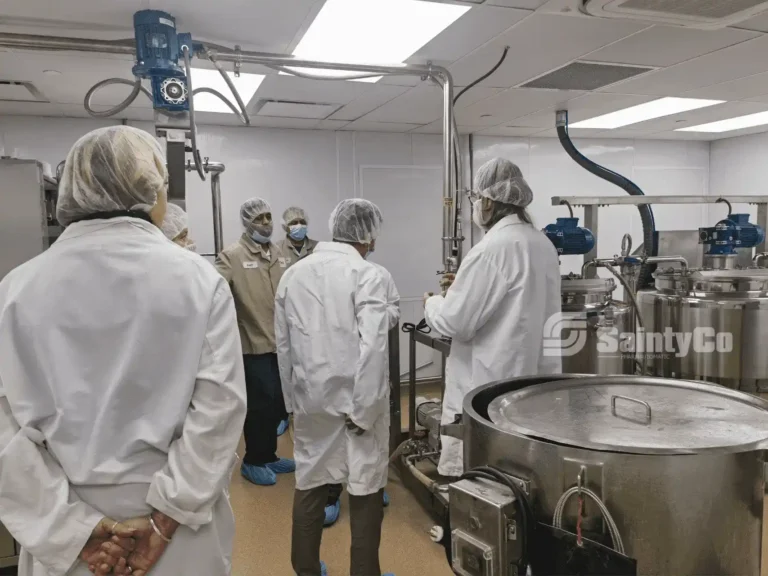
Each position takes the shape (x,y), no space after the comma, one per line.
(613,530)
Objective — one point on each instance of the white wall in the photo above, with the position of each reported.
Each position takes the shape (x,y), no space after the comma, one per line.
(657,167)
(739,166)
(316,169)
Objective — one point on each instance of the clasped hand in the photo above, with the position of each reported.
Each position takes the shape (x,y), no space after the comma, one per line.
(127,548)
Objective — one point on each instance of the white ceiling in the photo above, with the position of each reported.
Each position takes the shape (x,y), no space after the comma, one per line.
(543,35)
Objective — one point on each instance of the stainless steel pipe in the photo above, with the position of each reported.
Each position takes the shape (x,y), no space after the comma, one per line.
(127,48)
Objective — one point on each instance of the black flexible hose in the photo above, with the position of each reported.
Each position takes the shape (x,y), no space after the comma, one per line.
(483,77)
(646,214)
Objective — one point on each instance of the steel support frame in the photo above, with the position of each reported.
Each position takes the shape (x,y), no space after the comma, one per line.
(592,204)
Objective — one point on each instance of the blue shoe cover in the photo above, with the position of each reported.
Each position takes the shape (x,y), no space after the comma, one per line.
(323,569)
(259,475)
(282,428)
(332,514)
(386,502)
(282,466)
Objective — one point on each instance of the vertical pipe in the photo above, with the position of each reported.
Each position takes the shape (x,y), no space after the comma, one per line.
(412,385)
(590,223)
(218,236)
(471,182)
(448,169)
(395,416)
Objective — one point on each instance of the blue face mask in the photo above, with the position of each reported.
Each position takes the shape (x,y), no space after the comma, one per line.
(298,232)
(371,250)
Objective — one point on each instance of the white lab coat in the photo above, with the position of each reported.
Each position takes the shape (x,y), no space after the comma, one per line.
(121,390)
(393,296)
(331,326)
(505,290)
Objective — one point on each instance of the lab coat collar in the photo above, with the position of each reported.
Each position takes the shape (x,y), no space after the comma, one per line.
(267,251)
(510,220)
(77,229)
(338,247)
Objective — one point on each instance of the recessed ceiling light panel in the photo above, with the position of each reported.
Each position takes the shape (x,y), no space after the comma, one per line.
(246,85)
(738,123)
(373,31)
(648,111)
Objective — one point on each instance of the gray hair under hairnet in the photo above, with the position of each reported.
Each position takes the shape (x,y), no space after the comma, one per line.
(293,213)
(175,222)
(502,181)
(356,220)
(110,169)
(252,209)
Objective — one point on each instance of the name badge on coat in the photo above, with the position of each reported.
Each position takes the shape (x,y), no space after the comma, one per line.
(250,265)
(283,262)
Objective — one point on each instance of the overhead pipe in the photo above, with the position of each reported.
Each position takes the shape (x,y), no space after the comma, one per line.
(646,214)
(238,57)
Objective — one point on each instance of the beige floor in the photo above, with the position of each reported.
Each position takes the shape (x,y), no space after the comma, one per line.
(263,538)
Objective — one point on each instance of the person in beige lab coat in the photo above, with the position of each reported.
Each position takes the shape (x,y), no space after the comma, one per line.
(253,267)
(122,393)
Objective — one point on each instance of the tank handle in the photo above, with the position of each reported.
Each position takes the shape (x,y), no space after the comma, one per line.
(647,407)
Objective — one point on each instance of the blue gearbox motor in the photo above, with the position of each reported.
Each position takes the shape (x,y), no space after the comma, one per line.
(569,238)
(158,51)
(736,231)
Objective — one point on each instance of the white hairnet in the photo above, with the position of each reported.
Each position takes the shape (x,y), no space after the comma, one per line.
(175,222)
(293,213)
(252,209)
(356,220)
(109,169)
(502,181)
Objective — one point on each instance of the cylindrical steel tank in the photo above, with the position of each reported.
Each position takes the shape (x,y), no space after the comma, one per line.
(589,310)
(708,325)
(678,464)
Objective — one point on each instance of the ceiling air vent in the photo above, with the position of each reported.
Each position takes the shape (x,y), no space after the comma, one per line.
(692,13)
(15,91)
(291,109)
(586,76)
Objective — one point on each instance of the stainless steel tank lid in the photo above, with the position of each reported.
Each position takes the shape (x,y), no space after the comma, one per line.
(635,415)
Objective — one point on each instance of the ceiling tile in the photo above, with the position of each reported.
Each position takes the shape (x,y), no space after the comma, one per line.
(475,28)
(277,87)
(724,65)
(529,4)
(571,37)
(759,23)
(378,95)
(667,45)
(331,124)
(424,103)
(511,104)
(363,126)
(746,88)
(701,116)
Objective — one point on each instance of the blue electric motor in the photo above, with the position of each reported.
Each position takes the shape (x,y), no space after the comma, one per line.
(158,52)
(736,231)
(569,238)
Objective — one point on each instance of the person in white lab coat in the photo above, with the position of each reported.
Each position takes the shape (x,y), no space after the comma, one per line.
(505,290)
(122,392)
(331,325)
(333,507)
(176,227)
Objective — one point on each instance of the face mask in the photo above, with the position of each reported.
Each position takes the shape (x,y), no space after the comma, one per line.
(298,231)
(477,213)
(371,250)
(191,246)
(261,233)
